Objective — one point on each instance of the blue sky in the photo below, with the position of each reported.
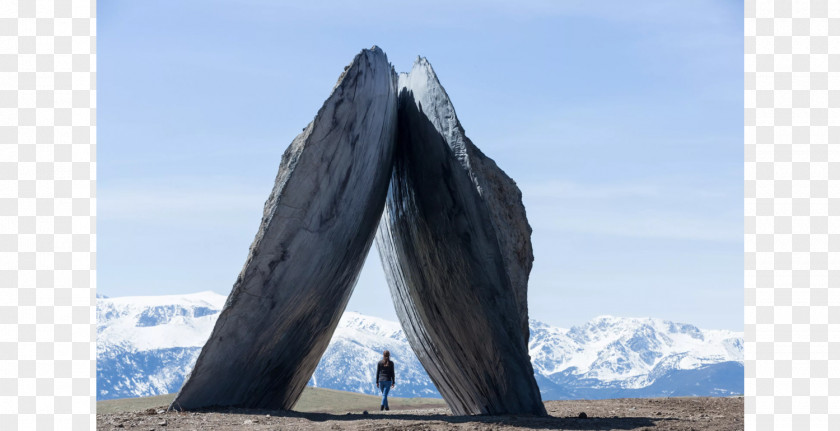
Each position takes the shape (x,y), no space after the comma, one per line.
(621,122)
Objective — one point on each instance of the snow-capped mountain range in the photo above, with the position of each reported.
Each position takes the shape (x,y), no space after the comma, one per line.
(146,346)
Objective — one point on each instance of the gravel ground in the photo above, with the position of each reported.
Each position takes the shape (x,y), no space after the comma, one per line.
(690,413)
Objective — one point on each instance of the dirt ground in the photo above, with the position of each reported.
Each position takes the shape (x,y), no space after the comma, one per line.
(691,413)
(312,400)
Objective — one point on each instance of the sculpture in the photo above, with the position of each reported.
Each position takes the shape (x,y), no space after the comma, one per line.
(454,242)
(456,249)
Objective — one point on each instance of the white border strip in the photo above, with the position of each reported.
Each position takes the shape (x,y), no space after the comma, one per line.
(47,214)
(792,215)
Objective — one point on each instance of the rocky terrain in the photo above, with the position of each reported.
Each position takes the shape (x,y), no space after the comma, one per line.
(678,414)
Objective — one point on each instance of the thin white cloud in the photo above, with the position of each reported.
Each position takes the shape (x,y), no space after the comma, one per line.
(662,190)
(662,226)
(639,210)
(552,206)
(173,202)
(559,189)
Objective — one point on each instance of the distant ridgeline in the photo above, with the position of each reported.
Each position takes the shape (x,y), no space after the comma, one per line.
(147,345)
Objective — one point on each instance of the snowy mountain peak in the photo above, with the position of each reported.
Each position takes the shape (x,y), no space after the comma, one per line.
(626,350)
(354,321)
(146,345)
(205,298)
(149,322)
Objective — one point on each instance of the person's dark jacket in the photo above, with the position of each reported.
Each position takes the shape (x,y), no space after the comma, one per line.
(385,372)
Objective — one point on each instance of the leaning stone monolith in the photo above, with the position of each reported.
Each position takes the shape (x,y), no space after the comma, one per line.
(455,245)
(317,227)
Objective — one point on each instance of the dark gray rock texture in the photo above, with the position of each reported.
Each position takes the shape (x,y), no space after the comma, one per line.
(455,245)
(317,227)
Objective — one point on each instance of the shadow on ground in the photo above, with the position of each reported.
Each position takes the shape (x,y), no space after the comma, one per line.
(534,422)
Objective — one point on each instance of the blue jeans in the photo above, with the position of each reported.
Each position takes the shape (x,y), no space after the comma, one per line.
(385,387)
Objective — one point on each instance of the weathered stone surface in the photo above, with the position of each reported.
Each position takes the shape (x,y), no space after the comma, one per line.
(454,241)
(318,225)
(455,246)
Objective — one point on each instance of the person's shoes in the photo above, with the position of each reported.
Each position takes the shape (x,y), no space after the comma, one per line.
(381,408)
(386,408)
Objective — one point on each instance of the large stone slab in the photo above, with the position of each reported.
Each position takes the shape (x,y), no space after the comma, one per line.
(317,227)
(455,245)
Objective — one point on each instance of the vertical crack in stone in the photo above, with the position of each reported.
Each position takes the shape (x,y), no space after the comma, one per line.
(454,242)
(317,227)
(455,246)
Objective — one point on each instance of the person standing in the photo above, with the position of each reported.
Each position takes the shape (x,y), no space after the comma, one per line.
(385,378)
